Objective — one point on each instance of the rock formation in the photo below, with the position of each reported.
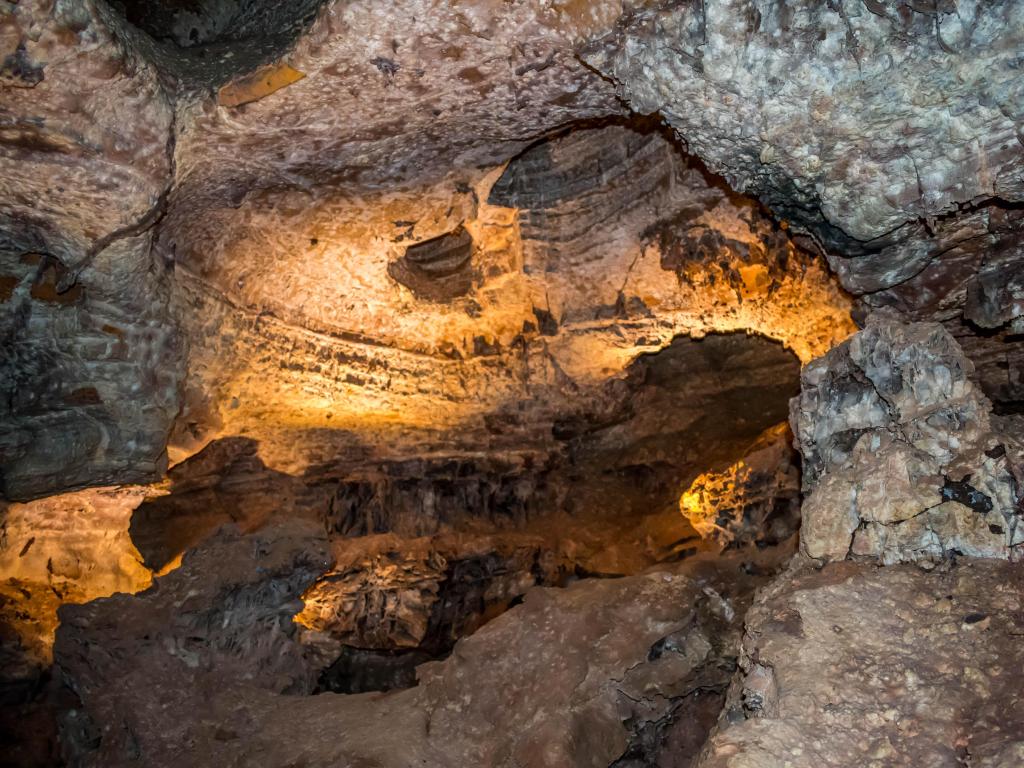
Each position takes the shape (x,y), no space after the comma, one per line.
(854,665)
(422,368)
(651,642)
(902,458)
(757,499)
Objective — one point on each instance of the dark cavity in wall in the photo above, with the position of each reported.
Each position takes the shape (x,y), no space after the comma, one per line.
(619,463)
(205,43)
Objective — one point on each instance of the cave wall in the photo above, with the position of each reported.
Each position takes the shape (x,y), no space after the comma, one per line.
(92,360)
(338,181)
(358,271)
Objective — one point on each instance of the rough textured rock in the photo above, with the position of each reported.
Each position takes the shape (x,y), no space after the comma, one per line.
(293,227)
(966,273)
(756,499)
(91,367)
(852,665)
(998,365)
(449,295)
(906,109)
(69,548)
(544,312)
(626,450)
(515,693)
(890,132)
(410,91)
(386,593)
(901,459)
(288,217)
(228,608)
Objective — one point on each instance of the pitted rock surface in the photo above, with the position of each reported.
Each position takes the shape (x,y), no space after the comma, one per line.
(901,459)
(853,665)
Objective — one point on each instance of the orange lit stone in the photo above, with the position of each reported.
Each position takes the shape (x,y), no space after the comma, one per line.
(260,83)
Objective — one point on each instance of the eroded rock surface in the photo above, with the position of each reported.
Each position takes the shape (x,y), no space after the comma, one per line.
(549,280)
(756,499)
(861,69)
(902,460)
(515,692)
(853,665)
(91,364)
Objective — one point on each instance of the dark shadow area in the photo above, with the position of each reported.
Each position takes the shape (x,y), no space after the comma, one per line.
(447,544)
(205,43)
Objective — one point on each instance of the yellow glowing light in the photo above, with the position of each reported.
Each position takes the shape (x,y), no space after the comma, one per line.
(710,494)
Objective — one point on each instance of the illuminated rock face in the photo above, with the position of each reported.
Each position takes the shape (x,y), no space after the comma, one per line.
(414,322)
(757,499)
(286,217)
(69,548)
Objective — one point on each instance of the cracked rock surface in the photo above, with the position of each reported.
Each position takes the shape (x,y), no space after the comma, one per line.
(903,460)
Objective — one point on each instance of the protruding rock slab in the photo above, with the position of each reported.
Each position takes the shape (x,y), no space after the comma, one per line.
(853,665)
(901,459)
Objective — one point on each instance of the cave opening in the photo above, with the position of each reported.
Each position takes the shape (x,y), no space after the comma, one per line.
(428,551)
(624,426)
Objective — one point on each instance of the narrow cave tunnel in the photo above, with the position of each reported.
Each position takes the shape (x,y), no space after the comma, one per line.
(534,384)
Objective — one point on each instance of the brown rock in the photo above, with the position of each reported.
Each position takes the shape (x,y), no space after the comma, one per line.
(878,667)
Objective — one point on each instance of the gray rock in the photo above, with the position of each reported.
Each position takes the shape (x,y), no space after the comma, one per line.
(901,459)
(851,117)
(852,665)
(195,670)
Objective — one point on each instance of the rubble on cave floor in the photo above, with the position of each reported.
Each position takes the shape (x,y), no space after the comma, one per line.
(207,663)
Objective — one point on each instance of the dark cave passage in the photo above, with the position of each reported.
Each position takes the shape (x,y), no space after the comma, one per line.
(428,551)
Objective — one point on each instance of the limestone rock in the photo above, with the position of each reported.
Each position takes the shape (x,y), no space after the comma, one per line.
(91,362)
(852,665)
(901,459)
(206,637)
(798,102)
(756,499)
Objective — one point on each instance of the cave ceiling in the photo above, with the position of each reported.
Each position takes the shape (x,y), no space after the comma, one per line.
(191,192)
